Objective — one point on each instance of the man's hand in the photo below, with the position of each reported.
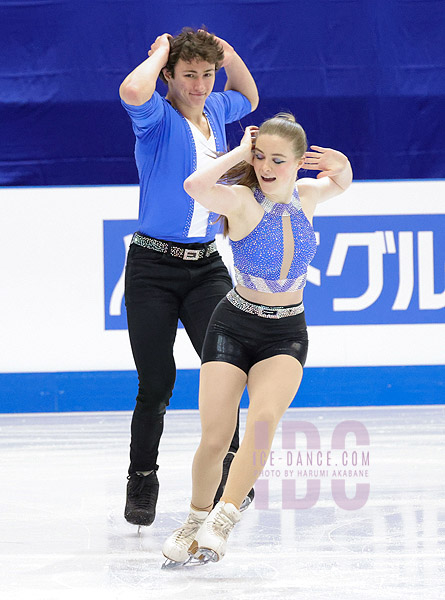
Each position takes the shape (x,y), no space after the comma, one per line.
(238,75)
(161,43)
(229,51)
(139,86)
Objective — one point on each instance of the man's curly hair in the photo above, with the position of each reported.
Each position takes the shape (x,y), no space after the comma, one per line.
(192,44)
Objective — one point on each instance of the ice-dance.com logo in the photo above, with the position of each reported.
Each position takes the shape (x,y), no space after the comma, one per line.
(344,464)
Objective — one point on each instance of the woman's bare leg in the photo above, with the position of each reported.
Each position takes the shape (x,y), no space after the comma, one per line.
(272,385)
(220,389)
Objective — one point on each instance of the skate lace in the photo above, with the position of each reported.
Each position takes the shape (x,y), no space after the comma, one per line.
(186,533)
(223,524)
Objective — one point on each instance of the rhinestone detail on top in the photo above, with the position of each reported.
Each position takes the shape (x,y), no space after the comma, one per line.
(258,257)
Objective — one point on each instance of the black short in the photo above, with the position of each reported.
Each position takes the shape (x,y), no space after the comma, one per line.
(243,339)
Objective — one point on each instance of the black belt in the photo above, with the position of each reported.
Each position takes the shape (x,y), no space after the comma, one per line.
(168,247)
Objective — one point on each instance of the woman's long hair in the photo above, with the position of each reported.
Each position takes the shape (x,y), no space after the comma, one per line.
(282,124)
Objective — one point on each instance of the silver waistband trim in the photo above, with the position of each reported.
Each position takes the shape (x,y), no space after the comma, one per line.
(184,253)
(261,310)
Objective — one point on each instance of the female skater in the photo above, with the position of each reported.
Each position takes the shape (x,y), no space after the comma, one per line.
(257,334)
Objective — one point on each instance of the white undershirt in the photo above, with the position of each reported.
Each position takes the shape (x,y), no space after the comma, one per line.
(205,152)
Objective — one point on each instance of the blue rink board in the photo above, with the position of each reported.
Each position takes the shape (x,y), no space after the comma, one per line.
(116,390)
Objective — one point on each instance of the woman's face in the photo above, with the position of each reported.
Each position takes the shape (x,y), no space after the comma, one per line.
(275,163)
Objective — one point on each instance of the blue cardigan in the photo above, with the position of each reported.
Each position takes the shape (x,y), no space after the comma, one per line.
(166,155)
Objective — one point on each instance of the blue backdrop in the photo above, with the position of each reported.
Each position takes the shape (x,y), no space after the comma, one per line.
(366,77)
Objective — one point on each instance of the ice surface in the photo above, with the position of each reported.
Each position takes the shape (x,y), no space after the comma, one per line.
(63,535)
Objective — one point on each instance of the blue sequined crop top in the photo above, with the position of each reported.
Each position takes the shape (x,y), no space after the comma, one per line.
(274,256)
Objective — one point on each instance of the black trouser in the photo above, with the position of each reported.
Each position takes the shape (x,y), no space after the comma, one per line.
(159,289)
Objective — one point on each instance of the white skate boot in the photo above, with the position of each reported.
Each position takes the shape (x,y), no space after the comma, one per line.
(176,547)
(211,539)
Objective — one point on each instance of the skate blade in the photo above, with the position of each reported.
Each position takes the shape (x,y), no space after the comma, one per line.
(192,561)
(245,504)
(207,555)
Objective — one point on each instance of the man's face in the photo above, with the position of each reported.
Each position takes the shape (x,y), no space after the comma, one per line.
(192,83)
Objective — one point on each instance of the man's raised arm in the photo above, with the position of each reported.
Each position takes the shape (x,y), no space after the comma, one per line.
(139,85)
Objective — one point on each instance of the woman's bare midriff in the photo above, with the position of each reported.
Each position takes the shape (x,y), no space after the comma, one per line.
(278,299)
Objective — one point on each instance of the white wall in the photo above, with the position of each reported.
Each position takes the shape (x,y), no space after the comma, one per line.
(53,309)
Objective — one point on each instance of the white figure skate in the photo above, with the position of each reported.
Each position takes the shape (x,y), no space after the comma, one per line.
(211,539)
(176,548)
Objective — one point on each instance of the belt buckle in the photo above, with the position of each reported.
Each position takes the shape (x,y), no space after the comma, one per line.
(191,254)
(268,312)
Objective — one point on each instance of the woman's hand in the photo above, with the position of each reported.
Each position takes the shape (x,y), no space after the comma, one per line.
(248,142)
(326,160)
